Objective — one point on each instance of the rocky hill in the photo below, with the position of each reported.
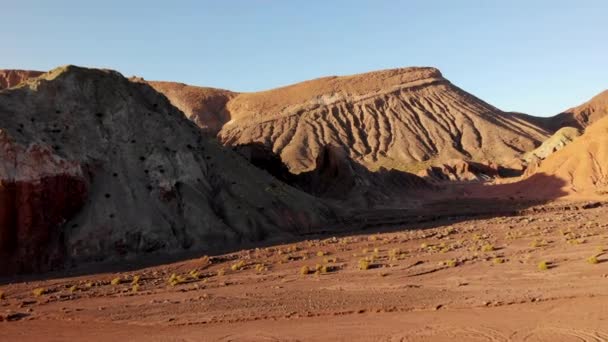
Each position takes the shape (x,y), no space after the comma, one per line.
(205,106)
(556,142)
(585,114)
(582,166)
(96,167)
(404,119)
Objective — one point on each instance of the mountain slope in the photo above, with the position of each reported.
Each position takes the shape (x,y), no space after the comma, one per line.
(404,119)
(96,167)
(585,114)
(205,106)
(582,166)
(557,141)
(11,78)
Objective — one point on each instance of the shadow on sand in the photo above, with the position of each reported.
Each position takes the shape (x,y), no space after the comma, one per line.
(436,207)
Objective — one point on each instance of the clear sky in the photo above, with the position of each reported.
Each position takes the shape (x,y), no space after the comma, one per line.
(537,57)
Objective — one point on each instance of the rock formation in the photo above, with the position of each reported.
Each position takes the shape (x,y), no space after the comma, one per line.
(96,167)
(585,114)
(205,106)
(404,119)
(556,142)
(11,78)
(582,166)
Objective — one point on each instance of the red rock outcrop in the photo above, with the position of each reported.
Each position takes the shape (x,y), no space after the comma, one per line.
(205,106)
(585,114)
(11,78)
(581,166)
(39,191)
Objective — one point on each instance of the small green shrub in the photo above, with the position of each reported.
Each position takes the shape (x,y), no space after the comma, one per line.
(487,248)
(364,264)
(543,266)
(593,260)
(39,291)
(238,266)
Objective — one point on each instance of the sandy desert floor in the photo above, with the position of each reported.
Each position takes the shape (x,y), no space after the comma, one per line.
(541,275)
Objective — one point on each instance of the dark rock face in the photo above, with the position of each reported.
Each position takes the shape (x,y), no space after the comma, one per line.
(95,167)
(31,214)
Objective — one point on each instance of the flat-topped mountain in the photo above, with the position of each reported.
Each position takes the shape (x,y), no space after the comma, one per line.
(404,119)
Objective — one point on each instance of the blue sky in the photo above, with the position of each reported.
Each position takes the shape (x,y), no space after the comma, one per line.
(537,57)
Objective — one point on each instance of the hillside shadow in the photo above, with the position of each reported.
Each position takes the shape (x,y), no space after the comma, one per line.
(442,207)
(336,176)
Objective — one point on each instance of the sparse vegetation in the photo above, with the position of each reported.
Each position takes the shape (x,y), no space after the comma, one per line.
(364,264)
(260,268)
(487,248)
(320,253)
(498,261)
(135,288)
(593,260)
(116,281)
(135,280)
(175,279)
(221,272)
(238,265)
(39,291)
(451,263)
(304,270)
(543,266)
(73,288)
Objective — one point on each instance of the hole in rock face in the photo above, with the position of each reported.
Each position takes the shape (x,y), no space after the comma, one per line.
(107,195)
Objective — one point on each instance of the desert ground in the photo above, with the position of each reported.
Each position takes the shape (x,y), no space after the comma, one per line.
(539,274)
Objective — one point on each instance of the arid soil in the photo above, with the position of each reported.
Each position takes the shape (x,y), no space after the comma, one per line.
(540,275)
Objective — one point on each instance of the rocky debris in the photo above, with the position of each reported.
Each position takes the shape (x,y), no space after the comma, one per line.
(11,78)
(96,167)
